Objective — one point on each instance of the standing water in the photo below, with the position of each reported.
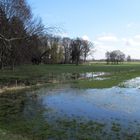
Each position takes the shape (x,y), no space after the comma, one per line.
(67,113)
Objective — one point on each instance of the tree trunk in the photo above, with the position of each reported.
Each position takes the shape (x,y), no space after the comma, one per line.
(1,65)
(13,65)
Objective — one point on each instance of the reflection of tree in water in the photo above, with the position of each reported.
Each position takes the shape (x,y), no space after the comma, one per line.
(75,76)
(22,114)
(11,105)
(17,104)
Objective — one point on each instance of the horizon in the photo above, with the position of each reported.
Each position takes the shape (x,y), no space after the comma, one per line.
(109,25)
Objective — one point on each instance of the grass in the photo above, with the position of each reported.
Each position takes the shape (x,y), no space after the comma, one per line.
(33,74)
(114,79)
(5,135)
(67,129)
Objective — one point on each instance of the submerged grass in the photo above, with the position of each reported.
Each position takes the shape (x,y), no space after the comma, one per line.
(5,135)
(66,129)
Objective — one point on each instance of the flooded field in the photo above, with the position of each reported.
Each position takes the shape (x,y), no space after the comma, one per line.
(112,103)
(63,112)
(133,83)
(77,76)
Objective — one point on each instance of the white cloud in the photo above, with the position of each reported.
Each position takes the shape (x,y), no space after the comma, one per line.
(137,37)
(133,26)
(133,41)
(103,43)
(101,49)
(63,34)
(129,45)
(85,37)
(107,38)
(130,25)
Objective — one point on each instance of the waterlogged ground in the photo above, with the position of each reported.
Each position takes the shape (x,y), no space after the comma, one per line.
(100,104)
(62,112)
(133,83)
(64,77)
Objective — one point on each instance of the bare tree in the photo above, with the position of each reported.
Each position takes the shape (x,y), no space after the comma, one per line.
(115,56)
(128,58)
(87,45)
(66,42)
(17,28)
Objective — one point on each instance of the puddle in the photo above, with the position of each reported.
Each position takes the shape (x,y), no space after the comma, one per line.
(77,76)
(133,83)
(93,75)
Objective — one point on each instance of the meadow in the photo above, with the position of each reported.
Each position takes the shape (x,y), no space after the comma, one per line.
(34,74)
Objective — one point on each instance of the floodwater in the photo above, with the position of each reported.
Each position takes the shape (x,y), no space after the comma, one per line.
(77,76)
(117,104)
(101,104)
(133,83)
(112,103)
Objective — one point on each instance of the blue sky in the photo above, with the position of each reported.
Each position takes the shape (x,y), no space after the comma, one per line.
(109,24)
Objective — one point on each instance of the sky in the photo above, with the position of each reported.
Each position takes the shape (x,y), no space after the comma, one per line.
(109,24)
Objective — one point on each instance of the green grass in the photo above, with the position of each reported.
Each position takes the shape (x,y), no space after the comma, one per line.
(33,74)
(114,79)
(5,135)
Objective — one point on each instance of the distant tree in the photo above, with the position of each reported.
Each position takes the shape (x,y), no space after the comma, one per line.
(76,49)
(34,43)
(54,49)
(115,57)
(87,45)
(60,54)
(45,49)
(80,50)
(128,58)
(108,59)
(66,43)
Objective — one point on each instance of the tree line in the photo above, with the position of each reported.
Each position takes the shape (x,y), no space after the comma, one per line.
(24,39)
(116,57)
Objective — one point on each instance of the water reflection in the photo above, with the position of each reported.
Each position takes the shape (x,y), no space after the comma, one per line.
(58,112)
(117,103)
(133,83)
(22,114)
(11,105)
(76,76)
